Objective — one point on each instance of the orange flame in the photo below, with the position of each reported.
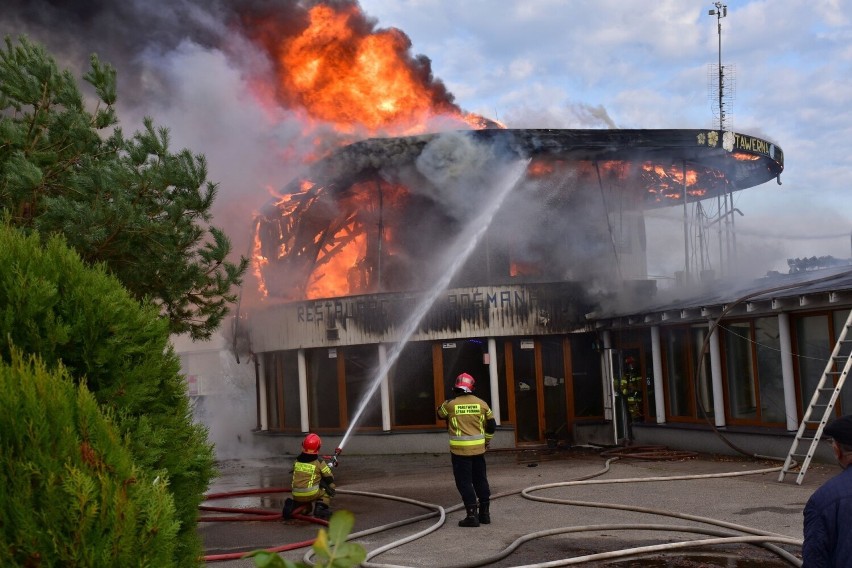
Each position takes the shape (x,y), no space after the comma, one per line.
(340,70)
(258,262)
(745,157)
(539,168)
(669,181)
(520,268)
(340,273)
(674,173)
(346,80)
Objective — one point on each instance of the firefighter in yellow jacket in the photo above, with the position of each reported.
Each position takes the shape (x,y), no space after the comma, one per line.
(312,483)
(471,425)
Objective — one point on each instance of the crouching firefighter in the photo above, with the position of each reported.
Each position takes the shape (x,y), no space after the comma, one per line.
(471,426)
(312,483)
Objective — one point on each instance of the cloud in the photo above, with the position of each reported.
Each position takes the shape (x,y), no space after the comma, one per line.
(650,66)
(541,63)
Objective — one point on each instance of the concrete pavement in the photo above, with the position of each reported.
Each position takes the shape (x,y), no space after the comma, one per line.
(756,501)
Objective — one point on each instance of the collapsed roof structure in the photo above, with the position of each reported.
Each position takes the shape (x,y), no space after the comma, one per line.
(373,216)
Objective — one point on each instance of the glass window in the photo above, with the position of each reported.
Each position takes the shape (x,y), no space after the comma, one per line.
(553,370)
(770,379)
(701,355)
(629,384)
(739,368)
(466,356)
(502,383)
(270,373)
(845,401)
(290,370)
(323,393)
(637,360)
(361,366)
(412,386)
(648,366)
(526,390)
(586,375)
(676,346)
(812,342)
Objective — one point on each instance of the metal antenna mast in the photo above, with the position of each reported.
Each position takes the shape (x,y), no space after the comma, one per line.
(727,249)
(720,12)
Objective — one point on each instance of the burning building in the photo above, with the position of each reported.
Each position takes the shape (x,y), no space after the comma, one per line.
(345,253)
(372,216)
(553,311)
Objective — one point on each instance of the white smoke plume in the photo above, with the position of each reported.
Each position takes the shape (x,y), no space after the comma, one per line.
(455,165)
(202,69)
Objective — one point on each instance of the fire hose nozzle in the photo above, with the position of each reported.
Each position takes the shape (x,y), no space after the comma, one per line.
(333,461)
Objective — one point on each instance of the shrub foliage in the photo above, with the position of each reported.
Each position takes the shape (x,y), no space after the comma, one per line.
(70,494)
(52,305)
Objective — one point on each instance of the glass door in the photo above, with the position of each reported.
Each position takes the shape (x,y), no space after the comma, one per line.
(527,392)
(556,421)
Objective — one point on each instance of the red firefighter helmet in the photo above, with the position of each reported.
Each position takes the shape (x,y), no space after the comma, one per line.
(465,382)
(311,444)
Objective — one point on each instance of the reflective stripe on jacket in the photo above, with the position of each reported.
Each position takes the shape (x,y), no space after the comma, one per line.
(466,417)
(306,479)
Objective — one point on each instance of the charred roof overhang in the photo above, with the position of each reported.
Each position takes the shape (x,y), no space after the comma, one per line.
(374,215)
(719,162)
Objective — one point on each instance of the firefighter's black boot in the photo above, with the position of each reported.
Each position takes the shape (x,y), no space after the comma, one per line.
(471,520)
(287,512)
(321,511)
(484,515)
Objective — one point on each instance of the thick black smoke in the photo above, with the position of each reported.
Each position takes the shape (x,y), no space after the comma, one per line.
(135,35)
(193,66)
(124,34)
(188,65)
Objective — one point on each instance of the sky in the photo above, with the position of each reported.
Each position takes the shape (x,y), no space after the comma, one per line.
(528,64)
(629,64)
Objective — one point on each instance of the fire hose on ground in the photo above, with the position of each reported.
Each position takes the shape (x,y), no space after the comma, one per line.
(252,515)
(761,538)
(249,514)
(720,536)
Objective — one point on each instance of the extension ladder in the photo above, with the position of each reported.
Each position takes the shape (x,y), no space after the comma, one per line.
(823,399)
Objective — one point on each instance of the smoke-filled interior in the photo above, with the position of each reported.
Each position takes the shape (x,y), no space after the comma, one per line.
(379,215)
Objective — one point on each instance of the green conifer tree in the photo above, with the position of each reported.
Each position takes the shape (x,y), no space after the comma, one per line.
(129,203)
(54,306)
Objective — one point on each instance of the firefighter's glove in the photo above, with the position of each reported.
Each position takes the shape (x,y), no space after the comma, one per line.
(328,487)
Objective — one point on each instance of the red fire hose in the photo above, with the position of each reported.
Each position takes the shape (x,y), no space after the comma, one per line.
(239,514)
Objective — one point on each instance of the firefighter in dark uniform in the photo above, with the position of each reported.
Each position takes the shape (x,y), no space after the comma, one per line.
(471,425)
(312,483)
(631,389)
(828,512)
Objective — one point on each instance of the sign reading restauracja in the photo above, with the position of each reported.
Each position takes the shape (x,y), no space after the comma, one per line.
(457,313)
